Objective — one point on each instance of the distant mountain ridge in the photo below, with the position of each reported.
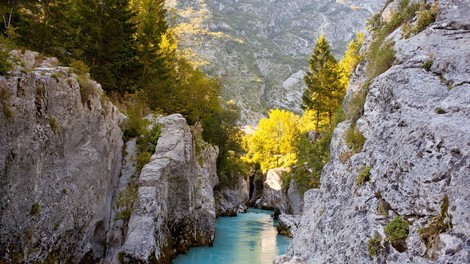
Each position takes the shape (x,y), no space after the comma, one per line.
(259,49)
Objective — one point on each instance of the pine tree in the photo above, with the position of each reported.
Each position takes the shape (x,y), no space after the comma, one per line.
(105,40)
(351,58)
(42,25)
(324,92)
(151,26)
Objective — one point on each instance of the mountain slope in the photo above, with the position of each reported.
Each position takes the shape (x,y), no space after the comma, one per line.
(259,49)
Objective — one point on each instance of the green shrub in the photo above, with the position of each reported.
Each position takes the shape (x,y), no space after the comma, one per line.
(135,125)
(355,106)
(427,65)
(230,168)
(35,209)
(54,124)
(381,55)
(126,200)
(9,114)
(374,22)
(364,176)
(143,157)
(87,88)
(79,67)
(6,64)
(426,15)
(381,58)
(407,30)
(57,75)
(146,144)
(286,178)
(397,229)
(354,139)
(374,245)
(311,160)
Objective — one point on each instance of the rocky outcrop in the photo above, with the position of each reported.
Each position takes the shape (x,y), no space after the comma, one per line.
(288,224)
(60,156)
(231,201)
(417,124)
(273,195)
(295,199)
(175,208)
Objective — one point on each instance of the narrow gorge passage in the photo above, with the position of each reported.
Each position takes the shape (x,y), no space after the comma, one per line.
(248,238)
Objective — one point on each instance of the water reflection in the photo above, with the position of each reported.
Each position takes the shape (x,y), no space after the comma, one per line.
(248,238)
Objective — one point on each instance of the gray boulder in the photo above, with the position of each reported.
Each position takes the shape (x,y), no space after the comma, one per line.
(273,195)
(288,224)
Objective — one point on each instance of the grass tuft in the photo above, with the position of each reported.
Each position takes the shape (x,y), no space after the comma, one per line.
(438,224)
(364,176)
(397,231)
(354,139)
(374,245)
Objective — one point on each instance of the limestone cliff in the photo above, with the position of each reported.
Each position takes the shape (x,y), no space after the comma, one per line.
(62,171)
(417,125)
(176,207)
(60,155)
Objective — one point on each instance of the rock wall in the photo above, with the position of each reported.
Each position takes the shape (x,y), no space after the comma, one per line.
(60,156)
(273,195)
(417,124)
(231,201)
(176,207)
(295,199)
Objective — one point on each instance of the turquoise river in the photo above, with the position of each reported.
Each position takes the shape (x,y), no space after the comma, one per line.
(249,238)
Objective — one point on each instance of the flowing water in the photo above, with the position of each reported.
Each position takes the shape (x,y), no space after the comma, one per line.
(249,238)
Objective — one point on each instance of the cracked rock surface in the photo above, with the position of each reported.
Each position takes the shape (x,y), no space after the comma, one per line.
(56,147)
(417,125)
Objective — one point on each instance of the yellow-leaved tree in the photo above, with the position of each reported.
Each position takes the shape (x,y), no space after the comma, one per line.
(273,143)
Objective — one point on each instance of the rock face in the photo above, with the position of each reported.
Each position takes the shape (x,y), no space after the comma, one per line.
(60,156)
(273,195)
(231,201)
(295,199)
(175,208)
(288,224)
(417,125)
(260,49)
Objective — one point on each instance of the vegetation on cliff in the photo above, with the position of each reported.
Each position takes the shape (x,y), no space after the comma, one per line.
(127,47)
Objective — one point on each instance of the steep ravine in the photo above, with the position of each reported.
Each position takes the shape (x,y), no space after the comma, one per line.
(61,171)
(417,125)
